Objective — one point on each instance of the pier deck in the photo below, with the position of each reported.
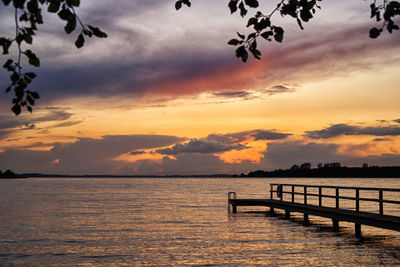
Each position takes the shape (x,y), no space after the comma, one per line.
(337,214)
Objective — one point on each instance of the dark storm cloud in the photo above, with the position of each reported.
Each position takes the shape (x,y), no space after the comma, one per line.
(344,129)
(199,146)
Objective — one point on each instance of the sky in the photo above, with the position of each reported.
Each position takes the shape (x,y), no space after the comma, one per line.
(164,94)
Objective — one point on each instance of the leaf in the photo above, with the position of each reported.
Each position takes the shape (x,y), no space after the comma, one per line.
(251,3)
(6,45)
(35,95)
(299,23)
(64,14)
(266,35)
(14,77)
(242,53)
(252,21)
(233,6)
(31,75)
(19,4)
(28,38)
(243,10)
(278,34)
(73,2)
(53,7)
(241,36)
(305,15)
(97,32)
(8,63)
(30,100)
(79,41)
(6,2)
(186,2)
(233,42)
(32,58)
(29,108)
(374,33)
(178,5)
(32,6)
(16,109)
(71,25)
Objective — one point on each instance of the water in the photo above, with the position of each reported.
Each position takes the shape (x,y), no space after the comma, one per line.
(164,222)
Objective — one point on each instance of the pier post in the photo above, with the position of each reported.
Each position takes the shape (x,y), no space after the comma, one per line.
(306,221)
(287,214)
(272,211)
(320,196)
(292,193)
(335,225)
(357,227)
(234,209)
(337,197)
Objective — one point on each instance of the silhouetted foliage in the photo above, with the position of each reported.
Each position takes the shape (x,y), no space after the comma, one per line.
(301,10)
(28,14)
(331,170)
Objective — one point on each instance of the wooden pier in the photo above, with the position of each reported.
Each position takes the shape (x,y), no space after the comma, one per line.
(286,195)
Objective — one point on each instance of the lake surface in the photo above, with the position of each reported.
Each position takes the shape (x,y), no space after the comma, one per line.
(168,221)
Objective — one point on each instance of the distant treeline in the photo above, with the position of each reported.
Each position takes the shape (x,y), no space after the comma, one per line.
(8,174)
(330,170)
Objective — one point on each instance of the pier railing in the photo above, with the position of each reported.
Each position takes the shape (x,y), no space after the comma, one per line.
(283,191)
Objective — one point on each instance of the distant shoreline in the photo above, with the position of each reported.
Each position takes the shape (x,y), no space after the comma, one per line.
(304,171)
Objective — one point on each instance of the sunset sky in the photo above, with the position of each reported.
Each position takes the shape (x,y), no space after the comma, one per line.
(165,94)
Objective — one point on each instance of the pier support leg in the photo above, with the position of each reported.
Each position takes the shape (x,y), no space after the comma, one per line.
(335,225)
(287,214)
(271,211)
(357,227)
(234,209)
(306,221)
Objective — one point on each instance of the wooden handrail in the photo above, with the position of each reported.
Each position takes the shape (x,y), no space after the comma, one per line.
(335,196)
(342,187)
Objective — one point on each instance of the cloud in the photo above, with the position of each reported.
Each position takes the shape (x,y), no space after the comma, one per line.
(278,89)
(269,135)
(202,164)
(344,129)
(146,56)
(235,138)
(199,146)
(85,156)
(26,160)
(139,152)
(10,124)
(398,120)
(381,139)
(285,154)
(233,94)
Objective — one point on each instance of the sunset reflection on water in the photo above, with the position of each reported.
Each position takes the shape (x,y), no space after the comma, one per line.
(159,222)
